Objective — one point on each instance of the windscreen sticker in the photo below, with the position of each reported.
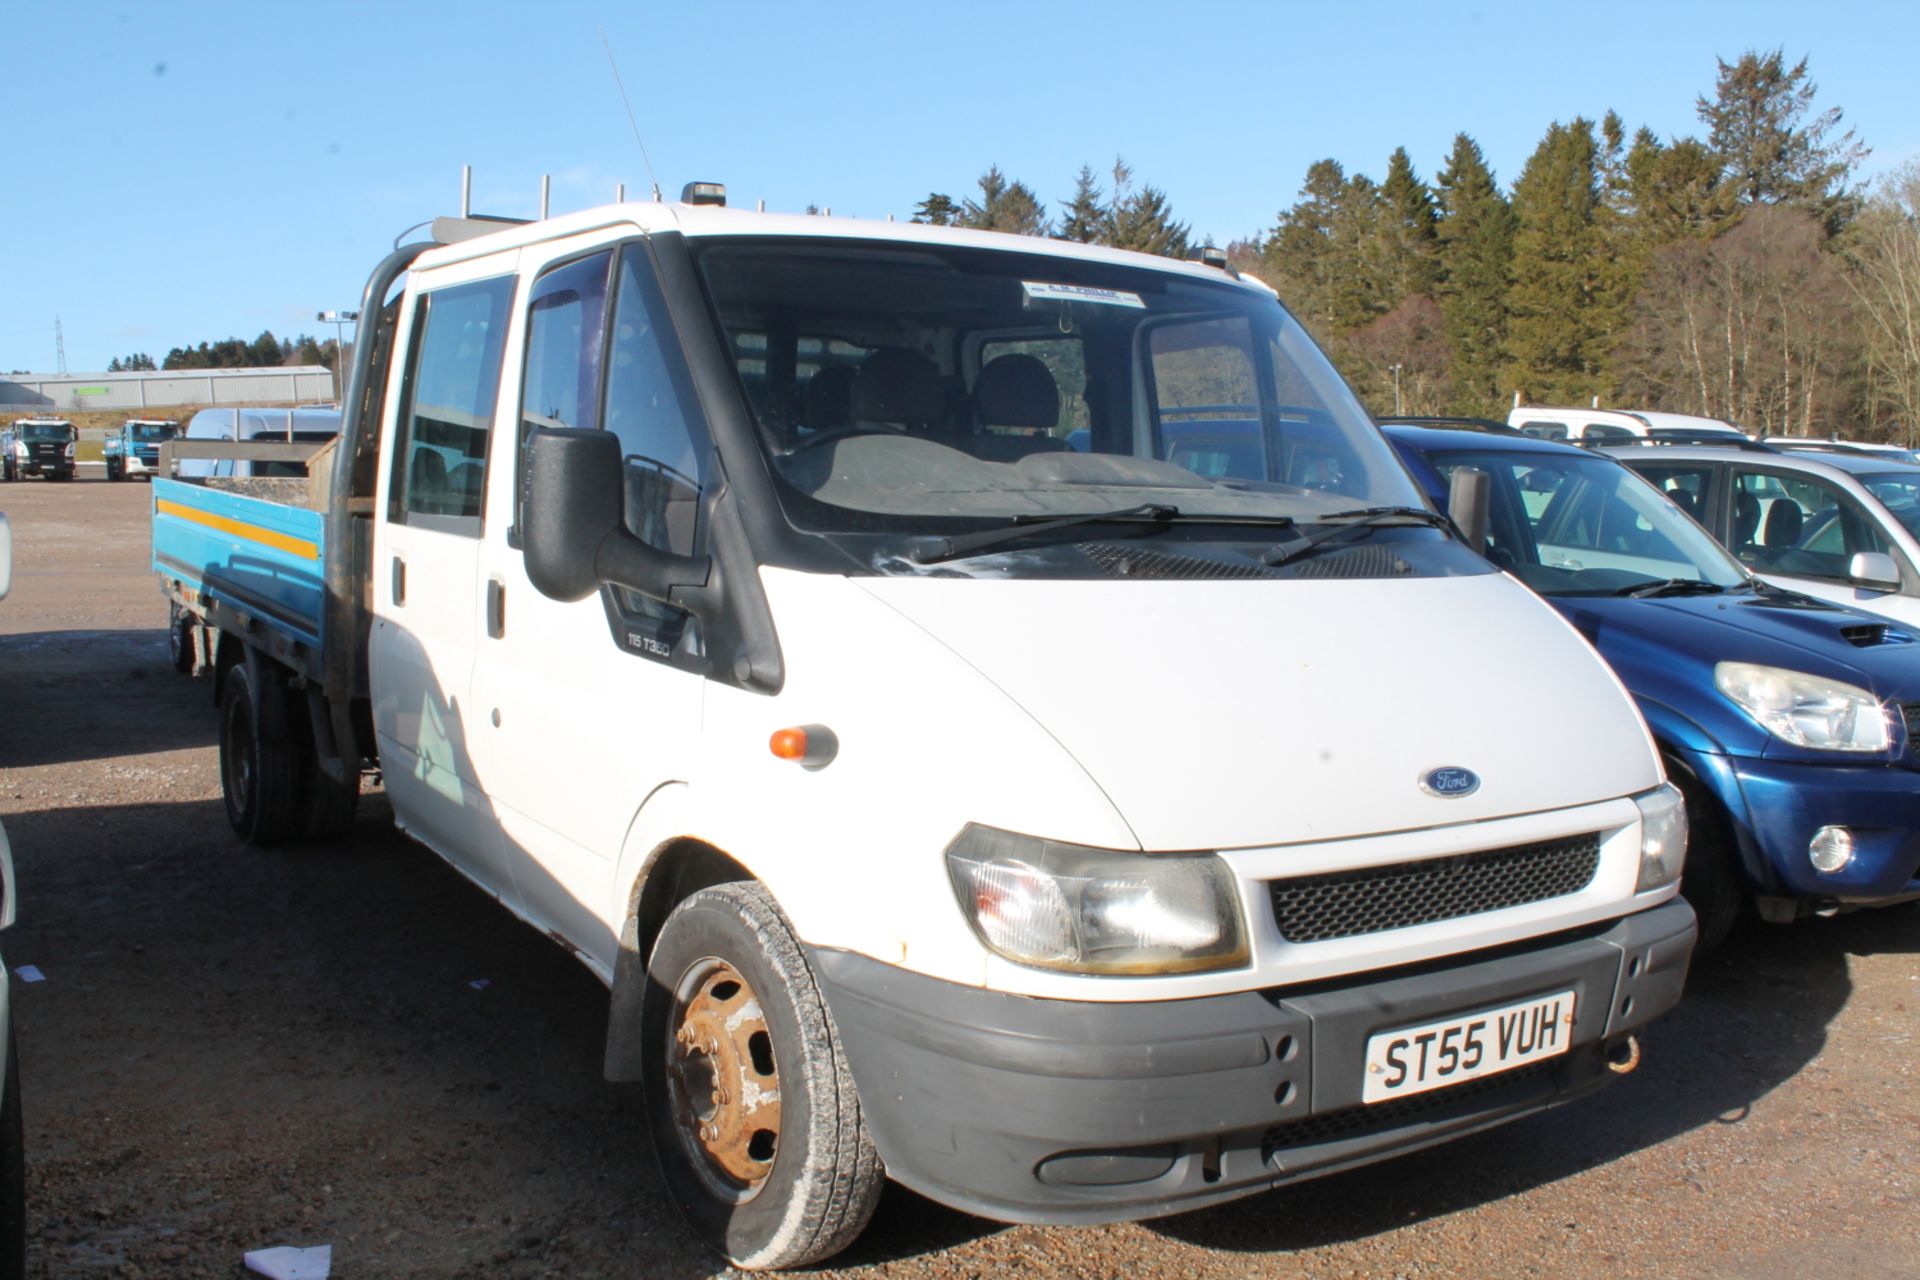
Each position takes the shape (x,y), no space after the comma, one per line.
(1042,291)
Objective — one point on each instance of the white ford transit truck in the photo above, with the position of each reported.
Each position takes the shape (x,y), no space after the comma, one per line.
(994,712)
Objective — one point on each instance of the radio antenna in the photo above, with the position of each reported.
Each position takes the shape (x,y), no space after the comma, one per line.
(644,159)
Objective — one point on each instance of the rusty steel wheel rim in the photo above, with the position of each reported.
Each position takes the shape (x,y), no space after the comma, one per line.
(722,1081)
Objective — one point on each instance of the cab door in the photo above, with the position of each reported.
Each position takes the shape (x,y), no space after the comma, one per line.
(426,597)
(587,708)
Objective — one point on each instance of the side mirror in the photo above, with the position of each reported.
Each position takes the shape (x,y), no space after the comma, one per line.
(1468,502)
(1874,570)
(572,530)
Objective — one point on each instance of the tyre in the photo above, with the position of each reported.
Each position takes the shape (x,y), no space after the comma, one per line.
(258,772)
(180,640)
(113,470)
(755,1120)
(327,808)
(1711,881)
(13,1171)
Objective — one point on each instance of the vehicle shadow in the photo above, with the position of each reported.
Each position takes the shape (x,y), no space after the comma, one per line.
(1755,1014)
(68,696)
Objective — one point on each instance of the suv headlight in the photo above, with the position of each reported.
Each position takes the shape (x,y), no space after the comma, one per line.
(1663,837)
(1806,710)
(1064,906)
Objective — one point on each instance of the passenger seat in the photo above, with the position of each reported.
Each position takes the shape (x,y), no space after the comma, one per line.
(1016,404)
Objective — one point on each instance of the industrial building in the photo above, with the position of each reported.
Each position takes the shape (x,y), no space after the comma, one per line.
(66,393)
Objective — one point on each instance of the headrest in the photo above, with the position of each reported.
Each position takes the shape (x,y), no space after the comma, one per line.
(829,397)
(898,386)
(1016,391)
(1783,522)
(1746,517)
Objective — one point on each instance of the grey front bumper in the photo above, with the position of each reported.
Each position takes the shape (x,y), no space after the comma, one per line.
(1030,1110)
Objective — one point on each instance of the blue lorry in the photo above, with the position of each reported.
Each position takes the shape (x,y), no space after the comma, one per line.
(134,450)
(1791,725)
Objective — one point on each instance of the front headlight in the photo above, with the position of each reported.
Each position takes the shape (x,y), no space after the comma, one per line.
(1663,837)
(1064,906)
(1806,710)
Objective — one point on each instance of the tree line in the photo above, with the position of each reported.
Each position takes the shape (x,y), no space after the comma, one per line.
(264,352)
(1739,274)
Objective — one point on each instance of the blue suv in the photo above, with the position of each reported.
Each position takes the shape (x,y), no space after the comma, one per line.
(1792,725)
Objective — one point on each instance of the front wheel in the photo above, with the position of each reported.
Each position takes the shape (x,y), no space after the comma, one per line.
(258,773)
(180,640)
(755,1119)
(1710,880)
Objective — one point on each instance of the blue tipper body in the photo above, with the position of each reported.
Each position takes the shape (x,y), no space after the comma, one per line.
(264,558)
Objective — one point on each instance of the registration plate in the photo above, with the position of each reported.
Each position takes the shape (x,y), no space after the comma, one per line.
(1434,1055)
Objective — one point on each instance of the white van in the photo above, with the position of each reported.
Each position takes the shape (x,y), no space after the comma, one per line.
(298,424)
(1066,833)
(1590,425)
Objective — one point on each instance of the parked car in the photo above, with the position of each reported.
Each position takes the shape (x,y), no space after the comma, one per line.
(38,447)
(1843,527)
(1589,425)
(134,450)
(13,1168)
(1792,725)
(826,721)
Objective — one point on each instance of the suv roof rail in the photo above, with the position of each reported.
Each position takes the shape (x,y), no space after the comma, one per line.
(1721,439)
(1821,446)
(1441,422)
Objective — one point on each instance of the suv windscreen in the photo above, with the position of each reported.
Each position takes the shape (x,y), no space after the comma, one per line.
(1573,525)
(1899,493)
(921,389)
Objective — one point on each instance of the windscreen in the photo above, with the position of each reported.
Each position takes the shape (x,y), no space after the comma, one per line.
(153,430)
(44,431)
(902,387)
(1571,524)
(1899,492)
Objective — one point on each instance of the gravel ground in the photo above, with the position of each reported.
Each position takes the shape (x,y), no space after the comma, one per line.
(235,1049)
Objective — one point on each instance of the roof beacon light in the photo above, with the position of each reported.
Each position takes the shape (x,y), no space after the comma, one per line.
(704,193)
(1208,255)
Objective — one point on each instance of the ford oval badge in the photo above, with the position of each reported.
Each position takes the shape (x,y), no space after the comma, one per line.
(1450,783)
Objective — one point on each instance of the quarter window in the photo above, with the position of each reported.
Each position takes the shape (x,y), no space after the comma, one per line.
(663,458)
(1796,524)
(453,377)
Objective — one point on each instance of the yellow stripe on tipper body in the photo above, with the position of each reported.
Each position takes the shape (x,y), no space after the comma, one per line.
(240,529)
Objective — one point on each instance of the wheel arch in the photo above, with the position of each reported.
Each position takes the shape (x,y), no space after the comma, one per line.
(674,869)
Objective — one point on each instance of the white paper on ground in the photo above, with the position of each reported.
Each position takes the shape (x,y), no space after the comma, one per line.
(289,1263)
(29,973)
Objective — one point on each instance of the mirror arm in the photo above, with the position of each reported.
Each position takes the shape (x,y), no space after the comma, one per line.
(686,581)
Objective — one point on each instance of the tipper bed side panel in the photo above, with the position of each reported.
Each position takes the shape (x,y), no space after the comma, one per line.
(264,558)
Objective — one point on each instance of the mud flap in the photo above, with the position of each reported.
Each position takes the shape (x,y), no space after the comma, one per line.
(625,1055)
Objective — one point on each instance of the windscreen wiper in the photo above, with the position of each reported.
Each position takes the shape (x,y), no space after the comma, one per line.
(1346,522)
(1029,526)
(1672,587)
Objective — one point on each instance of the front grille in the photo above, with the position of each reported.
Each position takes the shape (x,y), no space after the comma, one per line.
(1333,1126)
(1344,904)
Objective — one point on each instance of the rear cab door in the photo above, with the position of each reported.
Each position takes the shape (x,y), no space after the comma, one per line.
(429,518)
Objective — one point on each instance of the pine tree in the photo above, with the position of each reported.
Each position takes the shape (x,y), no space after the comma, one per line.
(1677,191)
(113,365)
(1768,149)
(1142,220)
(937,210)
(1005,206)
(1560,315)
(1475,236)
(263,352)
(1300,253)
(1085,218)
(1413,261)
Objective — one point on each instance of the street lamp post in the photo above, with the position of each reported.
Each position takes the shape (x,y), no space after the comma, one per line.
(1397,410)
(339,320)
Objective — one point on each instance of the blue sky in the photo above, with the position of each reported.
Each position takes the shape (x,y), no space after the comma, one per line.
(181,173)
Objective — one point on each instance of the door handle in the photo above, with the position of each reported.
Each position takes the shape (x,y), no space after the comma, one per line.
(399,581)
(496,608)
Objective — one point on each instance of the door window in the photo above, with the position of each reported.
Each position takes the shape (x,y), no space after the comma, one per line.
(1687,487)
(566,329)
(453,376)
(1206,399)
(1798,524)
